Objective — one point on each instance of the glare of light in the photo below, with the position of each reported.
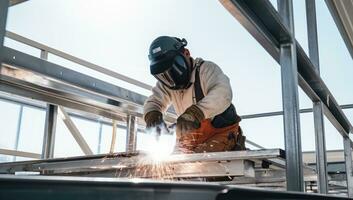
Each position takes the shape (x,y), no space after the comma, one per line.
(160,147)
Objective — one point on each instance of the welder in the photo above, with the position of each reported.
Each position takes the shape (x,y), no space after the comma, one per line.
(201,95)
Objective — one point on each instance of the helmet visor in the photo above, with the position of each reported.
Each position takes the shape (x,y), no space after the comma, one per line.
(177,74)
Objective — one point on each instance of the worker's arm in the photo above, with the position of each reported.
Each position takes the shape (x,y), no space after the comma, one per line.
(158,101)
(217,90)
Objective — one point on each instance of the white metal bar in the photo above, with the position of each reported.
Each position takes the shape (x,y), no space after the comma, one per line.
(131,138)
(19,153)
(75,132)
(77,60)
(112,144)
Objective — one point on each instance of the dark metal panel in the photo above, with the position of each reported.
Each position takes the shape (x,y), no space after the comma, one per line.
(317,106)
(49,131)
(43,187)
(4,4)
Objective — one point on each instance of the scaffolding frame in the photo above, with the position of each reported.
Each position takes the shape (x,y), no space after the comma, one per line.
(274,30)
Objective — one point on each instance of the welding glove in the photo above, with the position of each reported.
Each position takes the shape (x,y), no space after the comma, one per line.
(189,120)
(153,119)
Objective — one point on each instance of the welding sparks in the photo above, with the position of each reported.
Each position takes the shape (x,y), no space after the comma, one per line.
(161,143)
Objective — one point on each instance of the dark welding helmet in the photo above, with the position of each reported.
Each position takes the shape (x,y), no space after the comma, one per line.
(168,64)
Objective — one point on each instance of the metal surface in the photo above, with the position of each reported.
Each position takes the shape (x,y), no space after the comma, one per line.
(291,118)
(320,143)
(49,131)
(131,133)
(45,187)
(349,165)
(75,132)
(264,23)
(125,160)
(341,11)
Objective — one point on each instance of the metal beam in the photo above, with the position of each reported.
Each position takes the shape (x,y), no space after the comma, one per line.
(264,23)
(291,118)
(128,160)
(77,60)
(75,132)
(349,165)
(317,106)
(49,131)
(20,153)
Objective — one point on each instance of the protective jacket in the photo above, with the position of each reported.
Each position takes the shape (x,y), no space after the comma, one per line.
(215,86)
(210,91)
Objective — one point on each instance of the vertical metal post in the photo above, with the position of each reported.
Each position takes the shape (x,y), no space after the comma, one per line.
(4,5)
(291,118)
(50,124)
(317,106)
(100,137)
(18,131)
(131,134)
(49,132)
(348,160)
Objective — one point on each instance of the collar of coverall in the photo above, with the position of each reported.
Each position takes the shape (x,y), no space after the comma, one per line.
(194,62)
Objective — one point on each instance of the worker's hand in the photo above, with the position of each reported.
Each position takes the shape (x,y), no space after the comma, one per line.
(189,120)
(153,119)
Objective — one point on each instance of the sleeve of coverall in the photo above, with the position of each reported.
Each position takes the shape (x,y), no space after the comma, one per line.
(217,90)
(158,101)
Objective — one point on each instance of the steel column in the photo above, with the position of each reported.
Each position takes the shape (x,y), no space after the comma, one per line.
(348,160)
(317,106)
(131,134)
(50,129)
(291,118)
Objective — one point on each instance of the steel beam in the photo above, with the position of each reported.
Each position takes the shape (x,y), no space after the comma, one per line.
(75,132)
(77,60)
(264,23)
(131,132)
(291,118)
(19,153)
(317,106)
(349,165)
(341,11)
(49,131)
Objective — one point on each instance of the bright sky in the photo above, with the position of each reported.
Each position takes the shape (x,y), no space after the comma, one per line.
(116,34)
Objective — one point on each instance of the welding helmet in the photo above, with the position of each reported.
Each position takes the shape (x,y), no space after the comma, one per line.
(168,63)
